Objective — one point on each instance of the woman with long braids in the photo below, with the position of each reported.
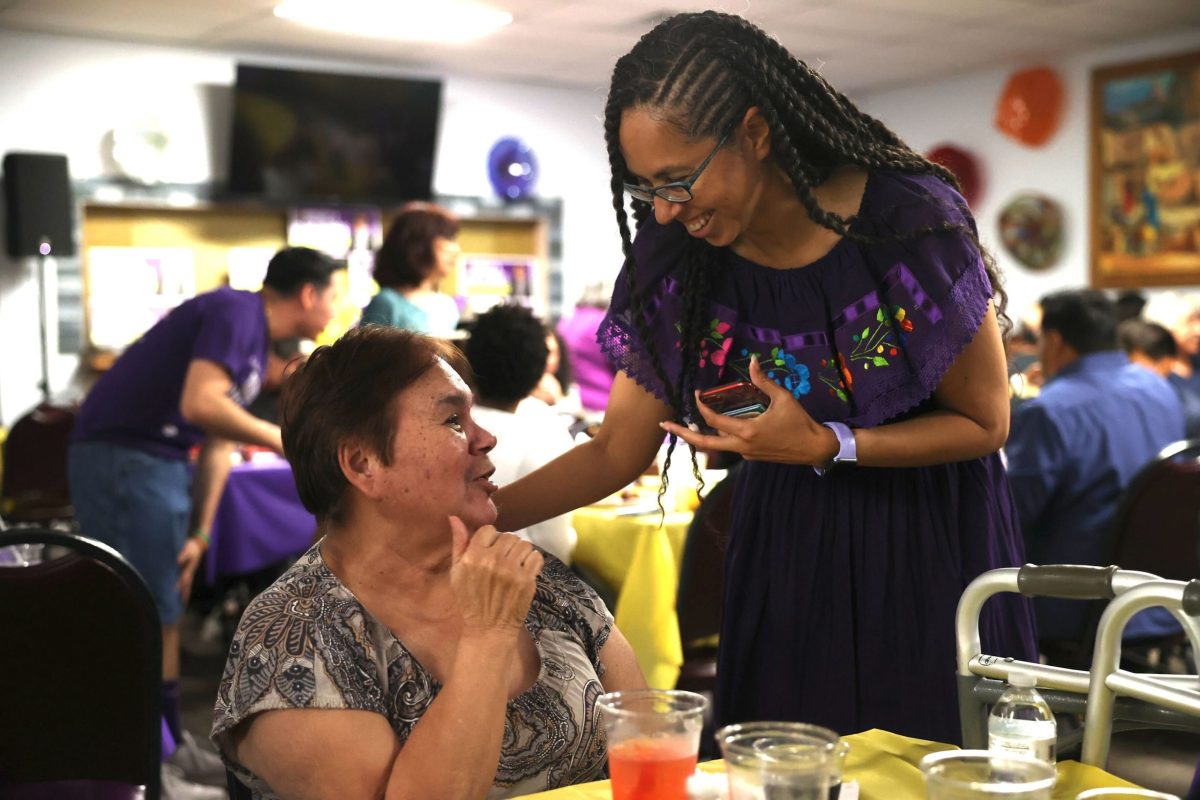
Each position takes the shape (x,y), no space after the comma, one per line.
(787,238)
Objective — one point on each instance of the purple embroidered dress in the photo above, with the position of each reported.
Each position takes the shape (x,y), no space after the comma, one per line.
(841,590)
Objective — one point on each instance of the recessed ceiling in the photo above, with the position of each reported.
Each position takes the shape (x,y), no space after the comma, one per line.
(859,45)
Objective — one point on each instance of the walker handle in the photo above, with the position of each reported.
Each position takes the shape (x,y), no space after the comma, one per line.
(1074,582)
(1191,598)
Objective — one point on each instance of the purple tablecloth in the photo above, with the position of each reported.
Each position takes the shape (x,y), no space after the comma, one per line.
(259,522)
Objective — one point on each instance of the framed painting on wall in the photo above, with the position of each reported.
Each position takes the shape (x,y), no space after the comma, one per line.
(1145,173)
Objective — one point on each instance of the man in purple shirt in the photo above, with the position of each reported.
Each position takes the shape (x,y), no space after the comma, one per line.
(1075,448)
(186,382)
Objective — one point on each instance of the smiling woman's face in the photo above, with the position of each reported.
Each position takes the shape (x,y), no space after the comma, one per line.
(723,197)
(439,463)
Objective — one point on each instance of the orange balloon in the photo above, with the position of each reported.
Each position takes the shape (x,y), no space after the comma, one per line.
(1030,107)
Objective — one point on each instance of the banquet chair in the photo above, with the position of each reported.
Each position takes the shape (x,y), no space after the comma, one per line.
(701,580)
(81,671)
(1156,529)
(1157,525)
(33,486)
(237,790)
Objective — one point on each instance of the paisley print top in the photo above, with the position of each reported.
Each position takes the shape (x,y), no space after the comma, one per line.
(307,642)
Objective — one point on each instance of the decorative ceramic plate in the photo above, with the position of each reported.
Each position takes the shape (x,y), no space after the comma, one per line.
(1031,228)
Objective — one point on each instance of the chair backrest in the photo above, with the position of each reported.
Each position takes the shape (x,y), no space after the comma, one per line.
(81,666)
(1156,527)
(237,790)
(34,486)
(701,575)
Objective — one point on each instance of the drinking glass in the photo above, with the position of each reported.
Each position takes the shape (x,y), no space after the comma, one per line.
(653,741)
(781,760)
(1114,793)
(975,774)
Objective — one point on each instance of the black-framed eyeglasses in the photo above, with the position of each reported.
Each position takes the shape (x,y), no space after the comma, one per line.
(675,191)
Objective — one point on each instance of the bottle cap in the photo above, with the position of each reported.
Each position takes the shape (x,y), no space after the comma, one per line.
(1022,678)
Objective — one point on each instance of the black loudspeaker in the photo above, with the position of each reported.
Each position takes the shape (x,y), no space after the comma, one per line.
(37,195)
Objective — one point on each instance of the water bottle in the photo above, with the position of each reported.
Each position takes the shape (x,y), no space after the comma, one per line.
(1021,722)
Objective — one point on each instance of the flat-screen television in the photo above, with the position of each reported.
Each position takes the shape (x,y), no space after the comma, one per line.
(315,137)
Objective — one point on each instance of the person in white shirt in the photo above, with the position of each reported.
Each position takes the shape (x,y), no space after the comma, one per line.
(507,350)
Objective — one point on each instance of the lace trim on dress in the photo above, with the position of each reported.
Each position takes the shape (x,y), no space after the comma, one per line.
(619,341)
(968,300)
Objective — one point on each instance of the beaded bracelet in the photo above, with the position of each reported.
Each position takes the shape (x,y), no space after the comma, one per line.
(202,536)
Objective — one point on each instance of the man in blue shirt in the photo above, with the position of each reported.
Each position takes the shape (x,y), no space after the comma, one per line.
(1153,346)
(1075,448)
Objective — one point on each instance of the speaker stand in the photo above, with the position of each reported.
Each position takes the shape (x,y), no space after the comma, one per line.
(43,324)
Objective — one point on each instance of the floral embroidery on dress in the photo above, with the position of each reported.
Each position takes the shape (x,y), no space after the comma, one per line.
(788,372)
(836,377)
(906,326)
(792,374)
(714,342)
(874,346)
(875,343)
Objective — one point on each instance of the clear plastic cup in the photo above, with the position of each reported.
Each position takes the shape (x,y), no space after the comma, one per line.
(975,774)
(1115,793)
(781,760)
(653,741)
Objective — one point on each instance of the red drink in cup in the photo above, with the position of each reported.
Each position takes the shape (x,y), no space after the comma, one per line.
(651,768)
(653,740)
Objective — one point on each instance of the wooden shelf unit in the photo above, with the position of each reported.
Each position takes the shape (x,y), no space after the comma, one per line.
(211,230)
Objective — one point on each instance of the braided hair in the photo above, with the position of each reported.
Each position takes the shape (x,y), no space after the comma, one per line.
(700,72)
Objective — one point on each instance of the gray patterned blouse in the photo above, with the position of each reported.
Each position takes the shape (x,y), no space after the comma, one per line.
(306,642)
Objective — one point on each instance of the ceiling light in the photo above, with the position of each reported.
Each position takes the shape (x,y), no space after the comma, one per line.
(409,20)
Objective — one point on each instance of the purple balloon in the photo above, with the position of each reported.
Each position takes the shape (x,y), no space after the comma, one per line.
(512,168)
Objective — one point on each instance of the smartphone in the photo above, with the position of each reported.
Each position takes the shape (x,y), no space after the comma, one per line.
(741,399)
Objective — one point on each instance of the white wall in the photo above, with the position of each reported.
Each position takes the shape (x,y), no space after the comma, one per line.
(961,111)
(66,95)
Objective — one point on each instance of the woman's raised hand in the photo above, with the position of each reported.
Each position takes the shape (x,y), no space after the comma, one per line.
(784,433)
(493,575)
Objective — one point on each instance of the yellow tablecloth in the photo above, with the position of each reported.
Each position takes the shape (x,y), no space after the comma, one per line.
(885,766)
(641,558)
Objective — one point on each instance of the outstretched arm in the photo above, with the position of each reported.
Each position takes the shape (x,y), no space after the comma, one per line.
(624,446)
(206,404)
(212,473)
(971,419)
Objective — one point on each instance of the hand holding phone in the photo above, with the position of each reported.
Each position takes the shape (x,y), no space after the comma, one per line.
(740,399)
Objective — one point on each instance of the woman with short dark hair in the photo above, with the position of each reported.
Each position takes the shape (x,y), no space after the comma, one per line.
(418,253)
(414,651)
